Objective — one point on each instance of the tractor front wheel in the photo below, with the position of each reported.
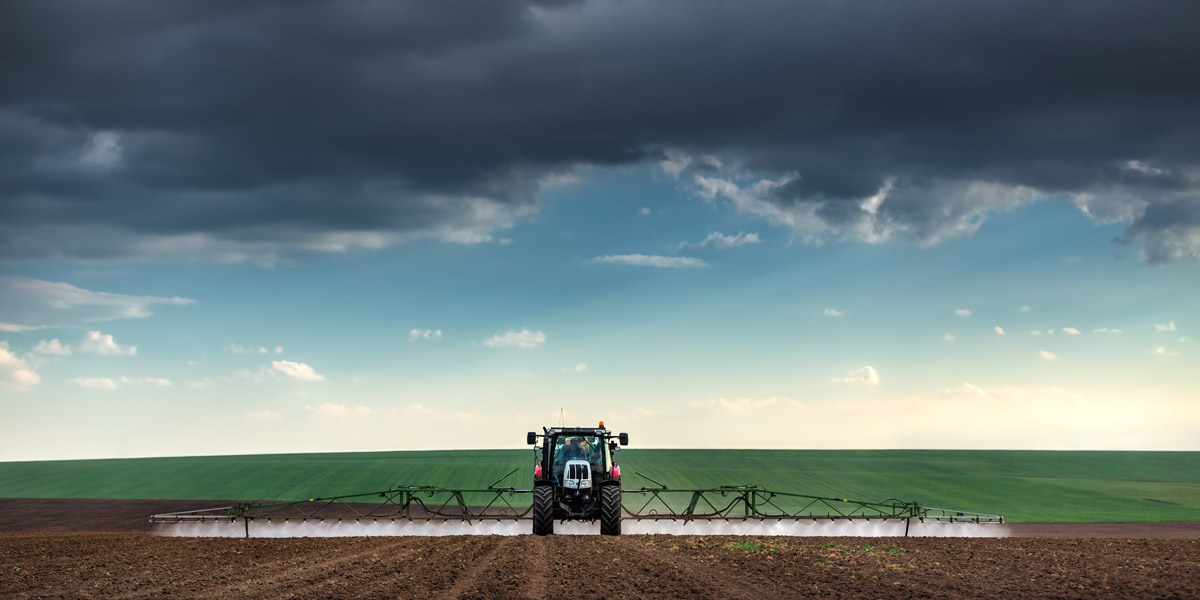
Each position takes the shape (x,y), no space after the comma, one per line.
(543,510)
(610,510)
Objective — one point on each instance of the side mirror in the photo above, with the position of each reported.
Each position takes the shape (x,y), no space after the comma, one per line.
(624,437)
(531,439)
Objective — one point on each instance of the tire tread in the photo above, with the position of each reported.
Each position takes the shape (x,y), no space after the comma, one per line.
(543,510)
(610,510)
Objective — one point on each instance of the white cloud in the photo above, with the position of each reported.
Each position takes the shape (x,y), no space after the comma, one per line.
(675,162)
(1185,339)
(643,212)
(147,381)
(1170,326)
(1112,207)
(579,368)
(966,389)
(94,383)
(833,312)
(1162,351)
(337,412)
(296,370)
(1070,331)
(463,219)
(643,260)
(1047,355)
(1106,330)
(962,312)
(949,337)
(15,373)
(560,179)
(428,416)
(239,349)
(863,375)
(424,334)
(52,347)
(958,208)
(721,241)
(999,330)
(519,339)
(101,343)
(264,374)
(103,149)
(57,303)
(1142,167)
(1026,308)
(264,416)
(739,406)
(1013,393)
(107,383)
(14,328)
(198,384)
(1035,332)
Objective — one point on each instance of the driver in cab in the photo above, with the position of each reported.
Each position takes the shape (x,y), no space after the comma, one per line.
(574,450)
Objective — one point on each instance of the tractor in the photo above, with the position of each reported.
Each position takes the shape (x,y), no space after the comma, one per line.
(576,477)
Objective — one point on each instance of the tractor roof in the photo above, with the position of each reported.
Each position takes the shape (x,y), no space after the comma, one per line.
(576,431)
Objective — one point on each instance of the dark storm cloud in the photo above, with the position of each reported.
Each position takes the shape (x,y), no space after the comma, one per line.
(263,124)
(1169,230)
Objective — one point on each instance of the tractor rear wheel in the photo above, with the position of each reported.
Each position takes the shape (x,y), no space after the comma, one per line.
(610,510)
(543,510)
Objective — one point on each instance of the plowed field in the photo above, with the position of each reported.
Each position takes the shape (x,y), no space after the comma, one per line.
(137,565)
(101,549)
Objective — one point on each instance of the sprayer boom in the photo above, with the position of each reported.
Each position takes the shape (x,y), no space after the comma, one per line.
(576,482)
(432,510)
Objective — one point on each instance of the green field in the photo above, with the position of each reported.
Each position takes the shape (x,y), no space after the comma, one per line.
(1021,485)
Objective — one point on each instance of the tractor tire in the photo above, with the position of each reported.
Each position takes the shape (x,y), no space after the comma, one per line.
(610,510)
(543,510)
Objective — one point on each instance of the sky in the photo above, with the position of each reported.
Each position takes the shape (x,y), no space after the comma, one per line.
(258,227)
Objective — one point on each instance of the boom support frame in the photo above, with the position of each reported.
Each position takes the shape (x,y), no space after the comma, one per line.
(431,503)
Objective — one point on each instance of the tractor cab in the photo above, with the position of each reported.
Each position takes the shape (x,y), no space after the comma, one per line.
(590,450)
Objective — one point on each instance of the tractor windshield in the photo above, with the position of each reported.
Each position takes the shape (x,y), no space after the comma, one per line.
(579,447)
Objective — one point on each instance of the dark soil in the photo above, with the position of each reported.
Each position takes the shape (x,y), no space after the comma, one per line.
(73,514)
(135,565)
(50,549)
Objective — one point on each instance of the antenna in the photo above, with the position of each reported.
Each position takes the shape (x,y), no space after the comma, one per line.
(562,419)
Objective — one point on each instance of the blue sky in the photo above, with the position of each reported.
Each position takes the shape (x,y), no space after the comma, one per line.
(231,227)
(773,343)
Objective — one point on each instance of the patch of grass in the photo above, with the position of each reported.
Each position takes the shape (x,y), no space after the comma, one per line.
(893,550)
(756,546)
(262,477)
(1049,486)
(1021,485)
(745,545)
